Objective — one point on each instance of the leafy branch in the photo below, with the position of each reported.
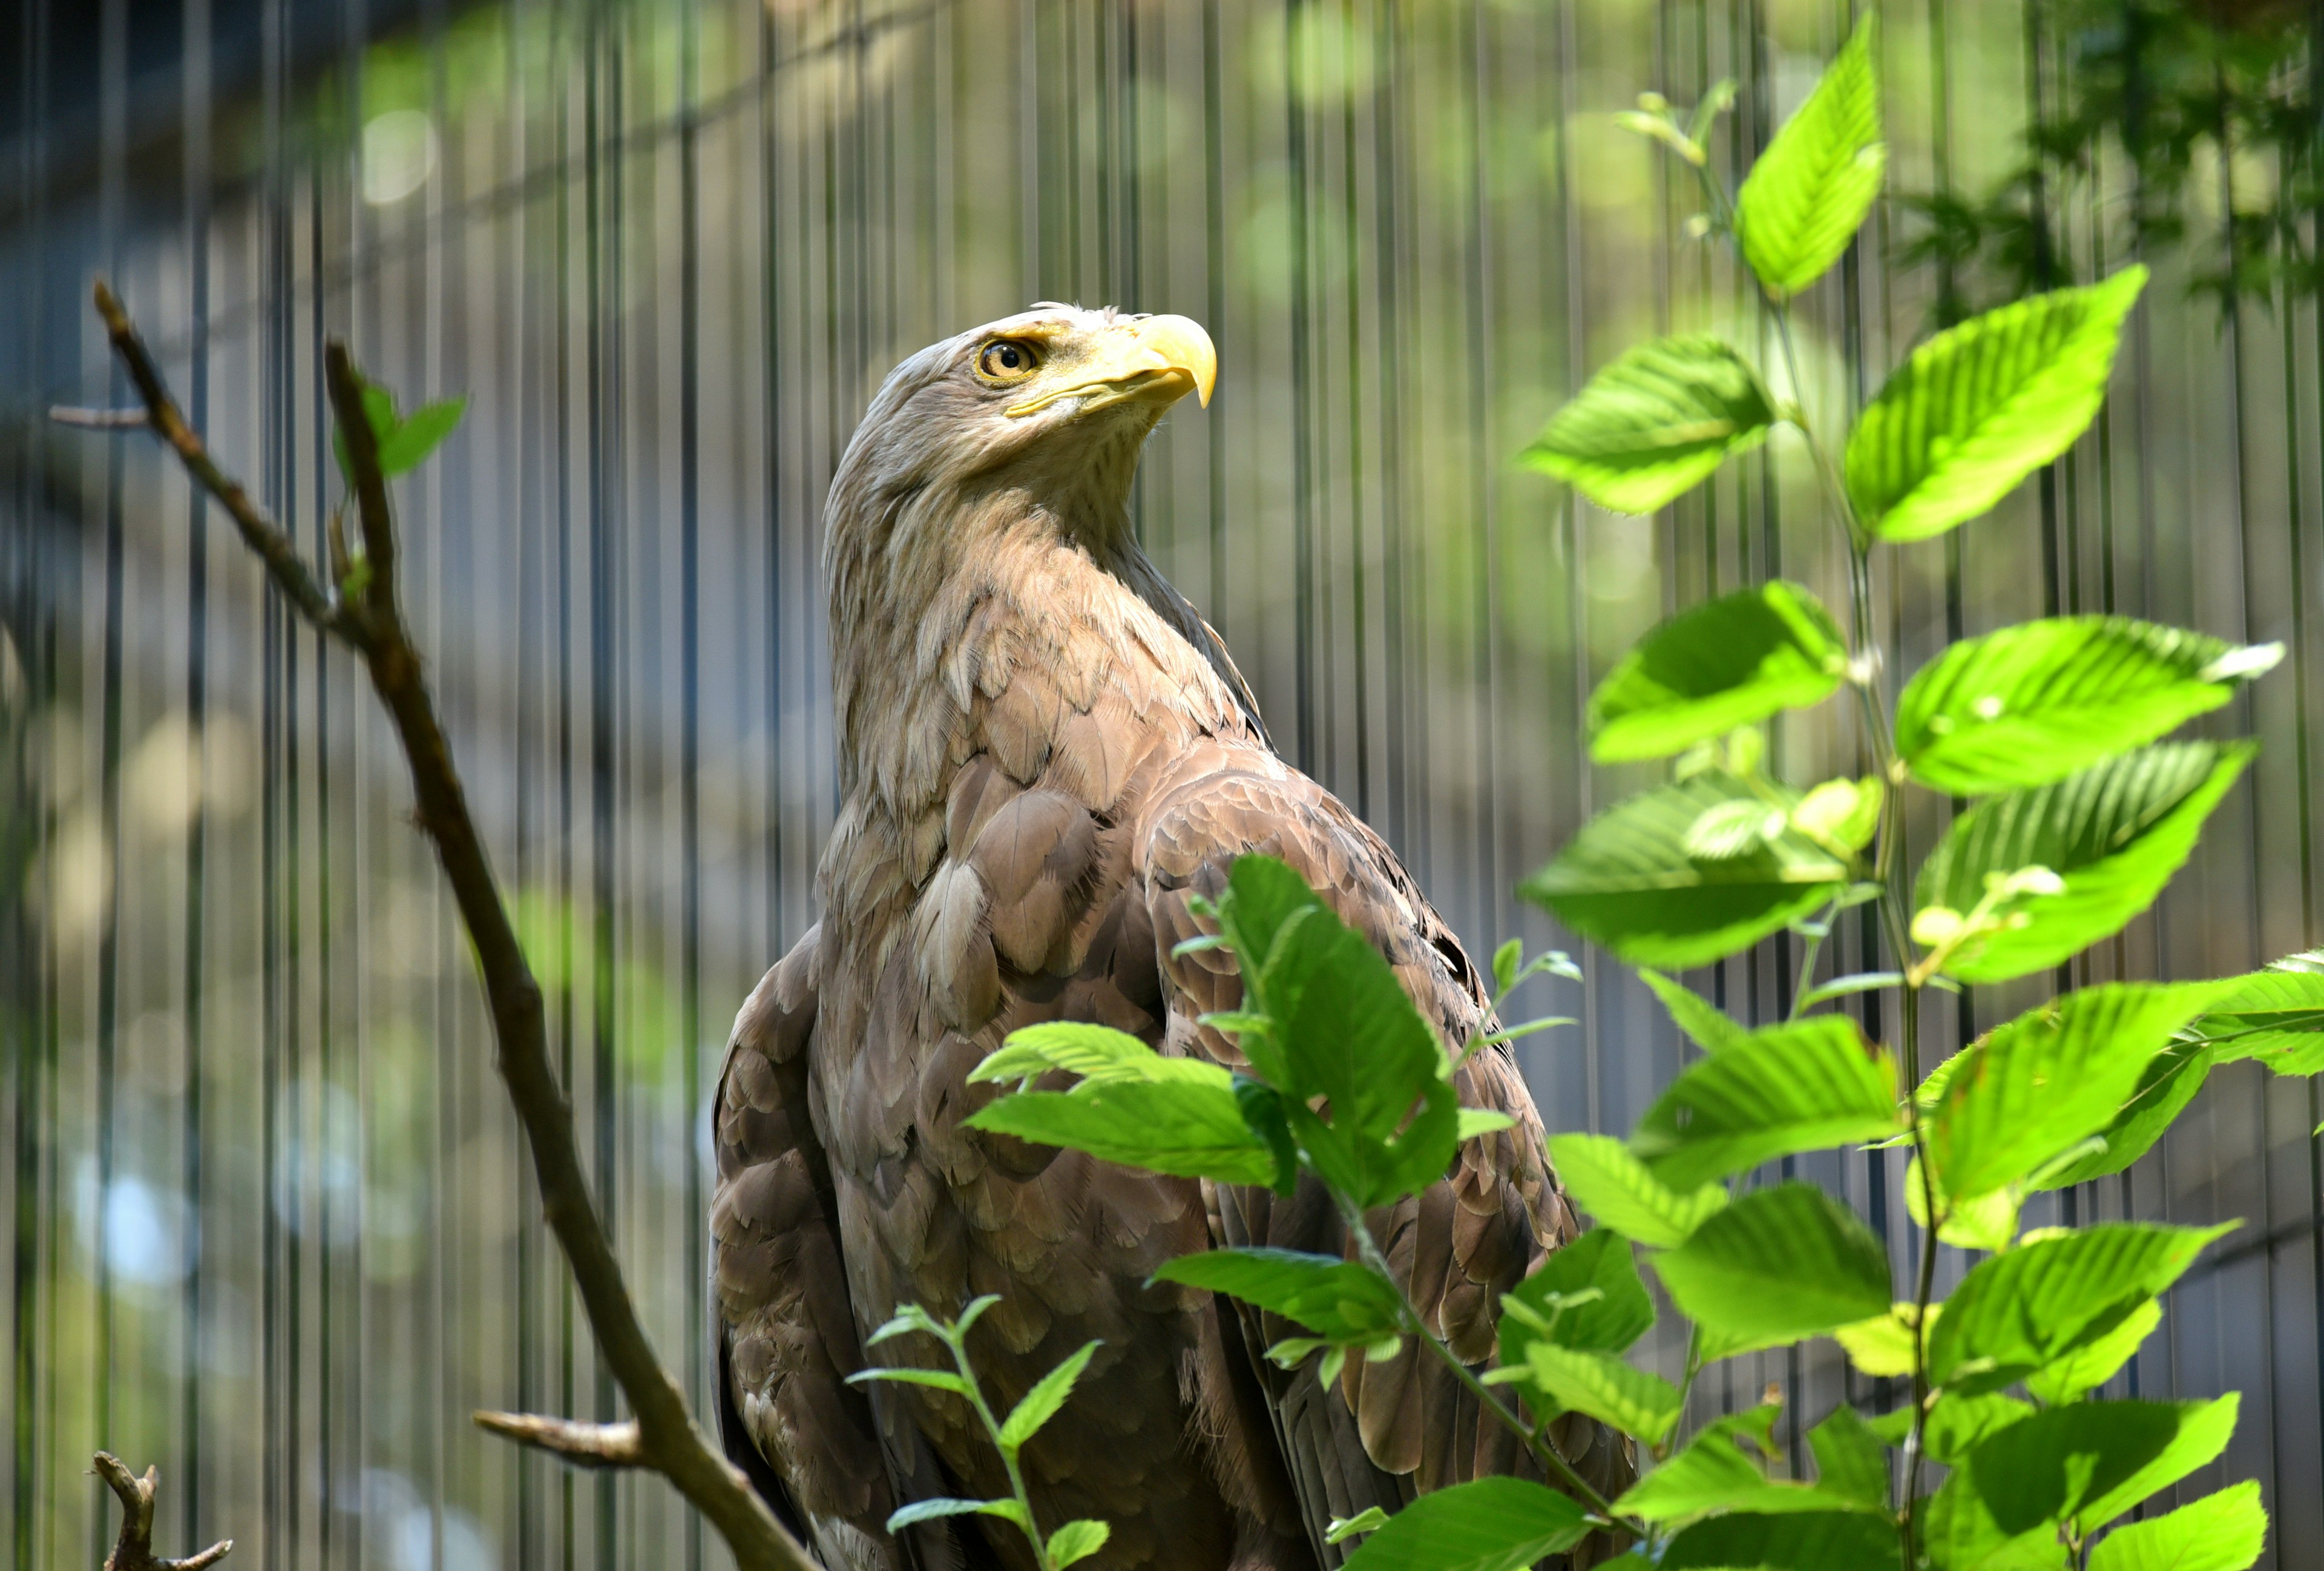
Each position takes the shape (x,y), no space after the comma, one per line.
(359,606)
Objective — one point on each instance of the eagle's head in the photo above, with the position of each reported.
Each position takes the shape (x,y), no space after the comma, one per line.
(1049,406)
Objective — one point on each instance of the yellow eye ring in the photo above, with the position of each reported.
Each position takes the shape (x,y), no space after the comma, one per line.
(1006,360)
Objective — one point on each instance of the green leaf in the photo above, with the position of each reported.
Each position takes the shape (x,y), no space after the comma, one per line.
(2018,1312)
(1958,1424)
(1041,1403)
(1711,1472)
(2203,1430)
(2093,1460)
(1710,1028)
(1506,961)
(2051,1079)
(1476,1120)
(1492,1524)
(1099,1054)
(2115,833)
(1834,1272)
(1602,1385)
(1960,1534)
(1850,1460)
(1630,881)
(2220,1532)
(941,1379)
(1341,1302)
(926,1510)
(1806,197)
(1979,408)
(1822,1540)
(1609,1182)
(2035,702)
(408,443)
(1077,1540)
(1599,1260)
(1186,1129)
(1653,423)
(2277,1016)
(2076,1375)
(1731,661)
(2165,1086)
(1797,1088)
(1984,1222)
(1370,1519)
(1883,1344)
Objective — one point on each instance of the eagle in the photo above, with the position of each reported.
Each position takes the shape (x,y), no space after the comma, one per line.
(1045,754)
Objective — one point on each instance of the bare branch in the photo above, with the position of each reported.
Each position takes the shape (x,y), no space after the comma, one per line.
(261,533)
(134,1550)
(666,1439)
(98,420)
(581,1445)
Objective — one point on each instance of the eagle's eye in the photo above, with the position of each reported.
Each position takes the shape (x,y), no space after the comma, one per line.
(1006,360)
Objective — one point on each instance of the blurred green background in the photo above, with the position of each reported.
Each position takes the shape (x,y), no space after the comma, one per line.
(268,1221)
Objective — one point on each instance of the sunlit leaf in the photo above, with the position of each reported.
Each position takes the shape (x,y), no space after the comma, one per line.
(2017,1312)
(1979,408)
(1600,1384)
(2115,833)
(1077,1540)
(2035,702)
(1599,1260)
(928,1510)
(1183,1128)
(1960,1534)
(1711,1030)
(2092,1460)
(2203,1430)
(1491,1524)
(1653,423)
(1796,1088)
(2076,1374)
(1731,661)
(1340,1301)
(2165,1086)
(1850,1460)
(407,447)
(1370,1519)
(1628,881)
(1711,1472)
(1833,1271)
(1807,195)
(1961,1422)
(1097,1053)
(1884,1344)
(2053,1077)
(1986,1221)
(1821,1540)
(1041,1403)
(2220,1532)
(1606,1179)
(2276,1017)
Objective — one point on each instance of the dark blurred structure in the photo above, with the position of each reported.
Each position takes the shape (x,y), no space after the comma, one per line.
(268,1224)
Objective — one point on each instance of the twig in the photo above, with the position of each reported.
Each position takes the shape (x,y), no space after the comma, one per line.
(134,1549)
(666,1439)
(581,1445)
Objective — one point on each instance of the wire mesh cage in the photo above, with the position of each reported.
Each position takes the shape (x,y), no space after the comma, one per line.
(271,1227)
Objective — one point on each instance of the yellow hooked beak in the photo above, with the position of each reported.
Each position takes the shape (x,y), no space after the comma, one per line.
(1160,359)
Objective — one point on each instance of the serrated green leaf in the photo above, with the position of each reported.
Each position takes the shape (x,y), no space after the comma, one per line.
(1628,881)
(940,1380)
(1492,1524)
(1960,1534)
(1729,662)
(1711,1472)
(1703,1022)
(1341,1302)
(2035,702)
(1607,1181)
(2224,1531)
(1654,422)
(1099,1054)
(1985,1222)
(1183,1128)
(1801,1087)
(928,1510)
(1599,1260)
(1834,1272)
(2076,1375)
(2018,1312)
(2053,1077)
(408,445)
(2276,1017)
(1979,408)
(1077,1540)
(1822,1540)
(1040,1404)
(1370,1519)
(2093,1460)
(1958,1424)
(1883,1344)
(2165,1086)
(1850,1460)
(2115,833)
(1601,1385)
(1806,197)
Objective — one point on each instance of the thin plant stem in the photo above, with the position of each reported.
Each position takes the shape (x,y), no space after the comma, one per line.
(958,1342)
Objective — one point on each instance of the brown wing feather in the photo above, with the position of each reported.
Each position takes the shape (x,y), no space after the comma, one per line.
(1387,1431)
